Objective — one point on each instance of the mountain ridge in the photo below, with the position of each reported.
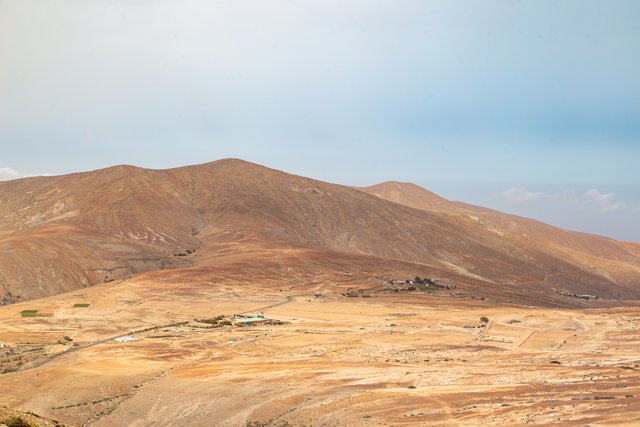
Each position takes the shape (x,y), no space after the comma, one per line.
(61,233)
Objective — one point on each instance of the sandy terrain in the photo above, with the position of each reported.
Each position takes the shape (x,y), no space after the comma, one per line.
(385,360)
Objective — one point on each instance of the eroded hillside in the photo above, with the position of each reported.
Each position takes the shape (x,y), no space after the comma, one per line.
(62,233)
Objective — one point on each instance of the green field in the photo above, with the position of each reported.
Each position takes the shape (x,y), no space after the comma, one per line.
(34,313)
(29,313)
(81,305)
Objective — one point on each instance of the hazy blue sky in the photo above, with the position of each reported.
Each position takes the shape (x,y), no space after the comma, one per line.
(532,107)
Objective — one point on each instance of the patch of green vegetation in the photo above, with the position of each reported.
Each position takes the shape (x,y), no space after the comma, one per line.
(34,313)
(29,313)
(213,320)
(109,410)
(81,305)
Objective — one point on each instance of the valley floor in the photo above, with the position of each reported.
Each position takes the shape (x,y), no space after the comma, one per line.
(388,360)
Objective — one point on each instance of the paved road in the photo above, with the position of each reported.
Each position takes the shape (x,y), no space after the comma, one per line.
(289,299)
(70,350)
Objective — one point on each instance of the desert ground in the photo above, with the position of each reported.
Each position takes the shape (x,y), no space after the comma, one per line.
(137,353)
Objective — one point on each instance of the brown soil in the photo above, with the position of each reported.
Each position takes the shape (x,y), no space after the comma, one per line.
(63,233)
(385,360)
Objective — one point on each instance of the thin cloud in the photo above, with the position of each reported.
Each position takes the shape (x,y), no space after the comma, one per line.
(594,211)
(7,173)
(520,195)
(592,199)
(595,195)
(614,207)
(605,200)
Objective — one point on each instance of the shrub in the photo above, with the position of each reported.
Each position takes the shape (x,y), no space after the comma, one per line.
(16,422)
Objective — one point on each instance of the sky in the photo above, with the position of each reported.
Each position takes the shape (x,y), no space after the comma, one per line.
(529,107)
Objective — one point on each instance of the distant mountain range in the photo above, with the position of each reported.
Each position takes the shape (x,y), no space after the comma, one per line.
(62,233)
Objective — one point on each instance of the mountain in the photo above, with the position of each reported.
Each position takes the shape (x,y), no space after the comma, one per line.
(615,260)
(231,217)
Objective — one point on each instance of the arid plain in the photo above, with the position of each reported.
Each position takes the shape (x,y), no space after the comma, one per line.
(124,285)
(384,360)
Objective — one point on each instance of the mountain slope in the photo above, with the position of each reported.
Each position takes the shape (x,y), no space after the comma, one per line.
(514,227)
(61,233)
(614,260)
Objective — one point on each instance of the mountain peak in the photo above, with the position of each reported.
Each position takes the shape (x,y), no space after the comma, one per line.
(408,194)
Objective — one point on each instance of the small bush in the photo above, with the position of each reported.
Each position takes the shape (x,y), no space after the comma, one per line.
(16,422)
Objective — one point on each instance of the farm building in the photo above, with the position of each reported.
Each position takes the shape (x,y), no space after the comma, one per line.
(250,321)
(255,320)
